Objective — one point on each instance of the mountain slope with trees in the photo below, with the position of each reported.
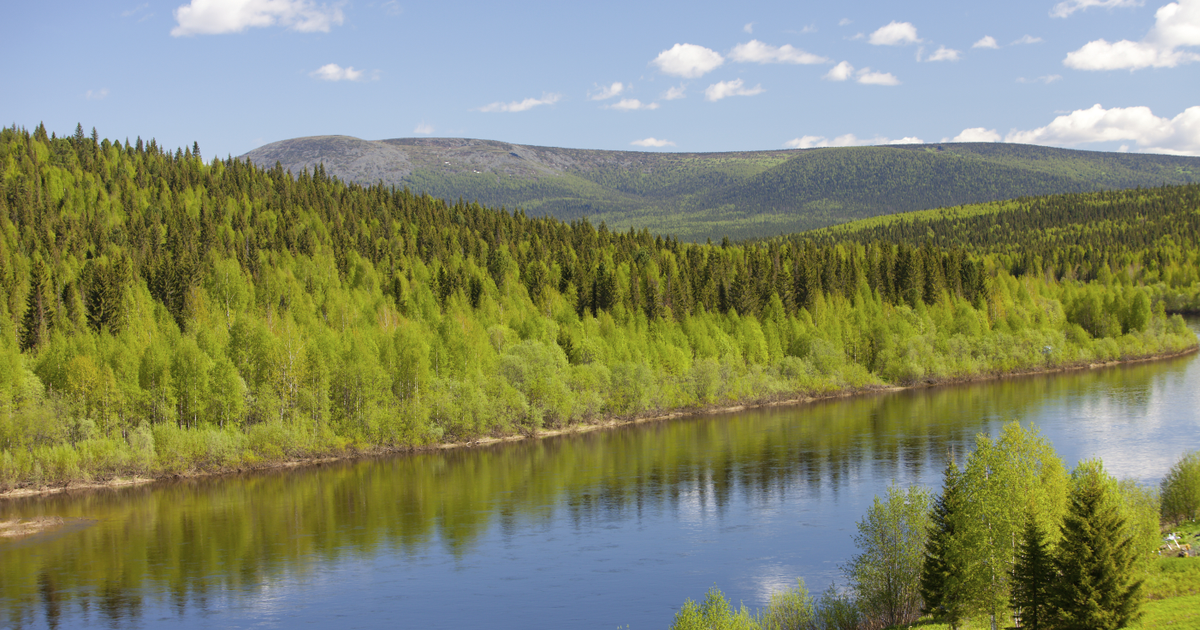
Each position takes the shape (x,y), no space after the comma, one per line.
(695,196)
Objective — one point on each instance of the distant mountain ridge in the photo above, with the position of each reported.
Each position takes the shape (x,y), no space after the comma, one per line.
(709,195)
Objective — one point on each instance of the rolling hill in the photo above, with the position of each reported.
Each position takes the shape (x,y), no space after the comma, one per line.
(737,194)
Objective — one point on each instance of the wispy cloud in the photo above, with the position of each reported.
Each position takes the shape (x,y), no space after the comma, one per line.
(392,8)
(1027,39)
(725,89)
(423,128)
(1065,9)
(631,104)
(894,34)
(1048,79)
(755,51)
(847,140)
(1177,25)
(652,142)
(607,91)
(1179,135)
(845,22)
(844,71)
(987,41)
(212,17)
(976,134)
(688,60)
(673,93)
(334,72)
(520,106)
(749,27)
(96,95)
(944,54)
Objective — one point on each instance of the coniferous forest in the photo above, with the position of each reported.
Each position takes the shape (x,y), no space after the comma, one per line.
(161,314)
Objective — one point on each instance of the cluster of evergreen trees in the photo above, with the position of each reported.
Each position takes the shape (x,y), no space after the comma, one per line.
(163,314)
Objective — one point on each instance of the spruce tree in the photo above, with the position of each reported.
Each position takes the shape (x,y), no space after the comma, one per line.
(1094,589)
(943,575)
(1033,576)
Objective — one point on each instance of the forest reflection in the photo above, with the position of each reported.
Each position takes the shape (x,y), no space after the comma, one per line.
(190,543)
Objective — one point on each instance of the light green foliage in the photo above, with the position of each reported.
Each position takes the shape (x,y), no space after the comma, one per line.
(891,540)
(310,317)
(714,613)
(1016,475)
(1181,489)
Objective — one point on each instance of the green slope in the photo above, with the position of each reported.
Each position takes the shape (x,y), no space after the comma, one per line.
(738,194)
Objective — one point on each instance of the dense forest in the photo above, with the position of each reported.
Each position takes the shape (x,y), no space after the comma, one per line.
(749,194)
(162,314)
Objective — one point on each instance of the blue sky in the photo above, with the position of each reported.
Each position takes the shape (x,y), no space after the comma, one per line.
(660,76)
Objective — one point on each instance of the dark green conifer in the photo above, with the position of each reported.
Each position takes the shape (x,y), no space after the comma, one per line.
(1033,576)
(943,575)
(1094,589)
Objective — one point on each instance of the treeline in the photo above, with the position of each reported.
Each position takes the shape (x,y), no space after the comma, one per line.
(162,314)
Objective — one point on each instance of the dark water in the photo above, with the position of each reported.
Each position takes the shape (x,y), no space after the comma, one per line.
(601,530)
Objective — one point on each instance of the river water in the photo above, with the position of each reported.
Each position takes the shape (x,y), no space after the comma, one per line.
(608,529)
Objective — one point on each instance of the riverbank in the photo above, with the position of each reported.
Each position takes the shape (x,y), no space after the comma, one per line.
(609,422)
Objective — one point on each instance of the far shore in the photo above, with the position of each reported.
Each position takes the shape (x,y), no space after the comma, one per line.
(599,424)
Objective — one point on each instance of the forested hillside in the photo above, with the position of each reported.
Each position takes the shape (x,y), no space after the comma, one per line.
(162,315)
(1147,236)
(696,196)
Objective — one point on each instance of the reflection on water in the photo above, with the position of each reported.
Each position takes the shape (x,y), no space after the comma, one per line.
(594,530)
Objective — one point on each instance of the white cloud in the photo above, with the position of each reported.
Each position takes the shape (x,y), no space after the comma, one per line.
(652,142)
(1066,8)
(848,140)
(895,34)
(977,134)
(725,89)
(96,95)
(520,106)
(1176,25)
(811,28)
(1179,135)
(845,22)
(608,91)
(749,28)
(688,60)
(673,93)
(987,41)
(844,71)
(423,129)
(1048,79)
(944,54)
(840,72)
(631,104)
(755,51)
(866,77)
(334,72)
(211,17)
(1027,39)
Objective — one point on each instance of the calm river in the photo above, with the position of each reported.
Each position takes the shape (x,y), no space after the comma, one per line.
(600,530)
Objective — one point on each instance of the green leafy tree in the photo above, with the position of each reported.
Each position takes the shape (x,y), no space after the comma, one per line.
(714,613)
(886,574)
(1181,489)
(1095,589)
